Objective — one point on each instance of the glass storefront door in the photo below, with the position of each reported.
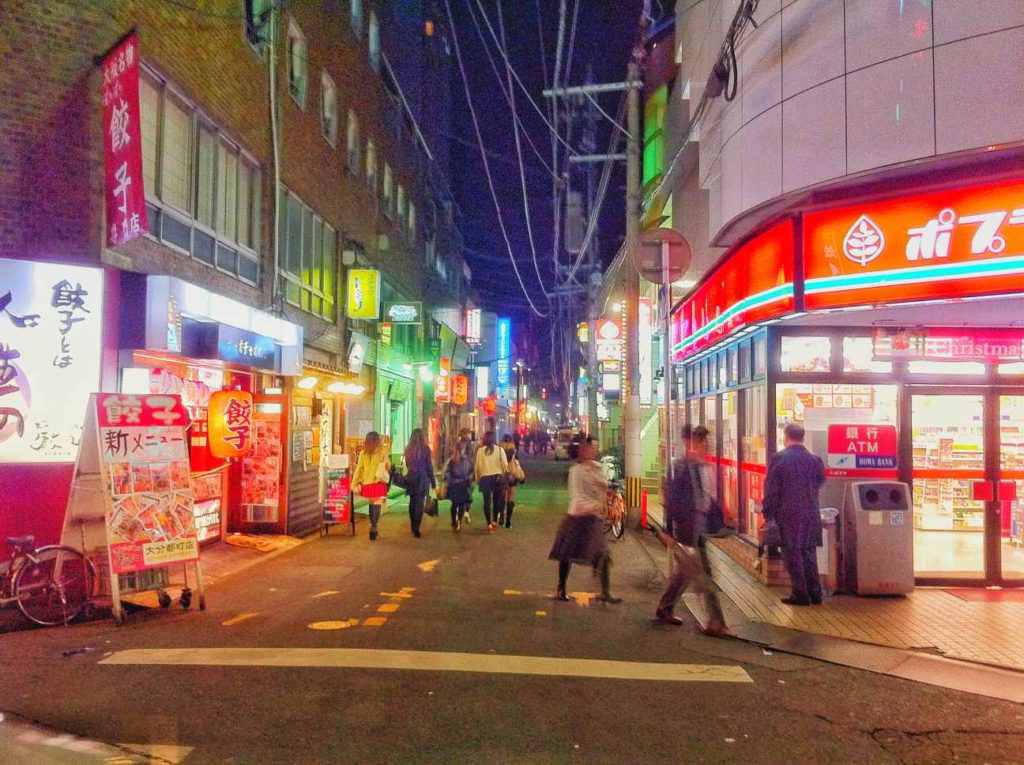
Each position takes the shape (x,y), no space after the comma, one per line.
(1010,487)
(949,460)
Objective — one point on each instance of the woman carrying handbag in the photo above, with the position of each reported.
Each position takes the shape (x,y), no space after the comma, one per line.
(372,476)
(458,484)
(513,477)
(419,478)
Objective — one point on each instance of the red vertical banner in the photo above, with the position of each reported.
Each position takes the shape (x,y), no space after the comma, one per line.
(122,144)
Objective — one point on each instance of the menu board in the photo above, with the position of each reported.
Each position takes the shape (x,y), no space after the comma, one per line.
(145,469)
(261,470)
(337,506)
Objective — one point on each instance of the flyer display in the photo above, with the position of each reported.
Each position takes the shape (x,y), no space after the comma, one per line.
(261,470)
(144,462)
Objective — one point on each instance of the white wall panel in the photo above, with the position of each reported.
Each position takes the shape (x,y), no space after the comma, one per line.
(762,158)
(957,19)
(877,30)
(761,68)
(814,136)
(889,112)
(980,91)
(812,44)
(732,179)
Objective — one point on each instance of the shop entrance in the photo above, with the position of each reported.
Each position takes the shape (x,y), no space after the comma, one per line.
(968,472)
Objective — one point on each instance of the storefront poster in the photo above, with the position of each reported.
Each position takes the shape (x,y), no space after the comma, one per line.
(862,447)
(950,244)
(144,462)
(122,144)
(51,322)
(261,470)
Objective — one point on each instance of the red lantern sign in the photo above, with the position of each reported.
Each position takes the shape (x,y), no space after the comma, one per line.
(230,423)
(460,389)
(442,381)
(489,406)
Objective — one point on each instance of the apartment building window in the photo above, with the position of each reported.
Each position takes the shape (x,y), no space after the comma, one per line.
(257,23)
(412,220)
(353,142)
(371,163)
(400,197)
(373,42)
(203,193)
(430,252)
(356,16)
(329,108)
(387,192)
(309,258)
(298,77)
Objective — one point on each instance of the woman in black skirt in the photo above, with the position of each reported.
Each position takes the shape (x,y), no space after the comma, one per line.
(580,537)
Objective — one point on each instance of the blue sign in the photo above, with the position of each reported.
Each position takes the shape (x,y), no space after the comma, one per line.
(504,328)
(242,347)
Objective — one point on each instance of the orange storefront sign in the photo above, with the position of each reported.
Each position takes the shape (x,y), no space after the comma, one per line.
(460,389)
(950,244)
(230,421)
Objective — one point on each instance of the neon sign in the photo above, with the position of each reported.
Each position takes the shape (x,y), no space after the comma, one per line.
(504,330)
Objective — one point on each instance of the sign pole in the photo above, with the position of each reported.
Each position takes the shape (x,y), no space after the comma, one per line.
(666,345)
(631,390)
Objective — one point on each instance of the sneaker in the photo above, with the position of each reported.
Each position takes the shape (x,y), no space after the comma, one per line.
(717,630)
(791,601)
(667,617)
(609,598)
(465,518)
(490,528)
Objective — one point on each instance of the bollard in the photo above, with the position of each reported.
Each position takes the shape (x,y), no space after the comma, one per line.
(643,509)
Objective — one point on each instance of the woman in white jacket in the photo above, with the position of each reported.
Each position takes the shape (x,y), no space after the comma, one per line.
(491,466)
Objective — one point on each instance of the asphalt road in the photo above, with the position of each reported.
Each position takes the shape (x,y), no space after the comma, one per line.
(470,606)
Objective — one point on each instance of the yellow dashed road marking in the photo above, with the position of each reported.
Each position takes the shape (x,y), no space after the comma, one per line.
(375,621)
(334,625)
(396,595)
(387,608)
(325,593)
(430,661)
(240,618)
(513,592)
(541,613)
(428,565)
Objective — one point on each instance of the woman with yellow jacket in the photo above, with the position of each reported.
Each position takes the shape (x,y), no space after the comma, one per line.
(372,476)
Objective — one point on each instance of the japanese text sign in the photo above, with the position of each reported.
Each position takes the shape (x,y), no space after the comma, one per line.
(363,293)
(442,381)
(504,341)
(862,447)
(144,463)
(403,313)
(948,244)
(230,420)
(752,283)
(122,144)
(611,340)
(474,320)
(460,389)
(51,321)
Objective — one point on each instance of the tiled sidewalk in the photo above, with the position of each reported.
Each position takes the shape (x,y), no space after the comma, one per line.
(990,633)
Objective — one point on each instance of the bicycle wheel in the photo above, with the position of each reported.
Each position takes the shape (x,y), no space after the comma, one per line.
(619,519)
(54,588)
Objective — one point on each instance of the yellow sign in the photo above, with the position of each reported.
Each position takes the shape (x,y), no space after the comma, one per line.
(363,293)
(172,551)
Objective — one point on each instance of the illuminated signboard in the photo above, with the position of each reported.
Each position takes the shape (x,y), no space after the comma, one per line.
(442,381)
(646,324)
(460,390)
(403,313)
(948,244)
(583,332)
(473,326)
(230,423)
(357,346)
(363,293)
(611,340)
(935,344)
(51,320)
(504,334)
(483,381)
(753,283)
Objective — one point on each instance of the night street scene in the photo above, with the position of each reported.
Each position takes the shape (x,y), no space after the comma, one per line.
(512,381)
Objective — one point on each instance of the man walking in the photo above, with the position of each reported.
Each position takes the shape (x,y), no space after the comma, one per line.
(791,500)
(688,503)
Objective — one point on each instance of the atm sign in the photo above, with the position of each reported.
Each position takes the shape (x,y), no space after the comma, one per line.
(862,447)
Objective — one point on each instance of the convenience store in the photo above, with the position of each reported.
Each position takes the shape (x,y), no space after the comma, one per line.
(893,331)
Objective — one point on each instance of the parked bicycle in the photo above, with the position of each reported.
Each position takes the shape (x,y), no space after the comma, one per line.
(51,584)
(615,521)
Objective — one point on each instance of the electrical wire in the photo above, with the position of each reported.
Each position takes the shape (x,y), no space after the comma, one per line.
(606,115)
(405,103)
(483,156)
(519,157)
(556,186)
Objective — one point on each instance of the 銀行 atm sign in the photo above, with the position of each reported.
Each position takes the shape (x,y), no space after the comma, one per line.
(862,447)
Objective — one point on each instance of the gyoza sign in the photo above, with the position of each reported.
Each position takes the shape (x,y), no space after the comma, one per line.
(51,318)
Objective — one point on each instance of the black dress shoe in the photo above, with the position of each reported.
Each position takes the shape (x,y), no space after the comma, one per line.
(796,602)
(667,617)
(608,598)
(560,595)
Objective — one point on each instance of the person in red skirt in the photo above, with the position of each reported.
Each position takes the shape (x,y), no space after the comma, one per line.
(580,536)
(372,477)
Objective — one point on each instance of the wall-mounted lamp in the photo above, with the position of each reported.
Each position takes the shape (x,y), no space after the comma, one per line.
(307,383)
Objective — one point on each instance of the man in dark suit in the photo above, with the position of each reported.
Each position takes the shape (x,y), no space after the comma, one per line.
(791,500)
(688,505)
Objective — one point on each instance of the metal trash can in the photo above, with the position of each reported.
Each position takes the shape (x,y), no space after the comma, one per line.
(828,553)
(877,543)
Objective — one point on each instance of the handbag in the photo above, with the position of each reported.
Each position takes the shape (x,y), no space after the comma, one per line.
(383,472)
(397,478)
(441,492)
(771,537)
(430,506)
(516,471)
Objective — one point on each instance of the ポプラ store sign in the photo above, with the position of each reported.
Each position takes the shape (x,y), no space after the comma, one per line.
(947,244)
(122,144)
(862,447)
(937,344)
(753,283)
(51,320)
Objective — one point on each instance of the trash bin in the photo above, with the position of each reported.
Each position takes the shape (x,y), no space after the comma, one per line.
(877,539)
(828,553)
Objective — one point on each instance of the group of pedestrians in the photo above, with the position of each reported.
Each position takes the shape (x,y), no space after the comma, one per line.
(493,467)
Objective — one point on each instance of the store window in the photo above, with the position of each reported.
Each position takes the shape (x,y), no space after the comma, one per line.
(858,356)
(730,458)
(744,362)
(309,258)
(816,406)
(806,354)
(733,363)
(755,454)
(760,356)
(203,193)
(1014,368)
(946,368)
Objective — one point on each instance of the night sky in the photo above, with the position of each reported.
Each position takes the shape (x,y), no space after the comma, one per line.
(605,34)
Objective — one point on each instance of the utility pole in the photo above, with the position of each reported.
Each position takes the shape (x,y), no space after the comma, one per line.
(631,386)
